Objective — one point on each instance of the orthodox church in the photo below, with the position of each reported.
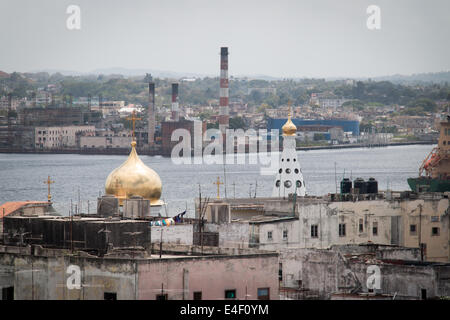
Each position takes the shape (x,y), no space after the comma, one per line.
(135,180)
(289,178)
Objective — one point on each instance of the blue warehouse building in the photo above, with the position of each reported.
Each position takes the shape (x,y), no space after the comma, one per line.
(347,125)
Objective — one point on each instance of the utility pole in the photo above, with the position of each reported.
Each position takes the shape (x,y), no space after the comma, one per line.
(71,233)
(421,246)
(79,201)
(160,243)
(3,226)
(234,190)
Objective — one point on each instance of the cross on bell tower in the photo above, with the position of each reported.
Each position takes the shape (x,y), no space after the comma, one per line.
(218,183)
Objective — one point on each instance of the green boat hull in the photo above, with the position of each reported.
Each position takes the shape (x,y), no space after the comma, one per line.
(422,184)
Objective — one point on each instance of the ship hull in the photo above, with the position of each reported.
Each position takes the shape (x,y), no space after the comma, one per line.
(422,184)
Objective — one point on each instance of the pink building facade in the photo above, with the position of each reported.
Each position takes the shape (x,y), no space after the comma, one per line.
(241,277)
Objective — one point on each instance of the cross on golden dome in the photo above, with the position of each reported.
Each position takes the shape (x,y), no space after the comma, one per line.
(289,128)
(134,178)
(133,120)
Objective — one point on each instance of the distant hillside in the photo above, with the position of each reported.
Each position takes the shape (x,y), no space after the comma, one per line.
(419,78)
(431,77)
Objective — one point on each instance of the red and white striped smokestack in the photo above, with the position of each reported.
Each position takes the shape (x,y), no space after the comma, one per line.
(223,111)
(175,111)
(151,114)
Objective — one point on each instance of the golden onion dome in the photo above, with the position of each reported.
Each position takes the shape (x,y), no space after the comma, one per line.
(289,128)
(134,178)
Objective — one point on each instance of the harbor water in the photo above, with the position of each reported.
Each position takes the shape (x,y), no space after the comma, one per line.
(80,179)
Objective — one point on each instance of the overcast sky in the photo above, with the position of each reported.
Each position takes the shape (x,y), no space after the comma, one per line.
(283,38)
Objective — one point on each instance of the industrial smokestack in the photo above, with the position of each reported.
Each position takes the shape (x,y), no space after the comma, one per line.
(175,112)
(223,111)
(151,113)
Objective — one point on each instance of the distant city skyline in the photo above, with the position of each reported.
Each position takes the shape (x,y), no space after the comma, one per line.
(283,39)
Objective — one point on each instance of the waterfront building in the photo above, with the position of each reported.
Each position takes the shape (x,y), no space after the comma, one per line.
(105,139)
(346,125)
(59,137)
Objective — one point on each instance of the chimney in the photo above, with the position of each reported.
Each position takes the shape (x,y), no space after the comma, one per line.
(223,111)
(175,112)
(151,113)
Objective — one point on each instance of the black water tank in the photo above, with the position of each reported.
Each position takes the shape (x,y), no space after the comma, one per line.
(361,185)
(372,186)
(346,186)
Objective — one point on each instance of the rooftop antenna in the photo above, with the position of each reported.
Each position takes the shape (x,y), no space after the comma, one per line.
(335,177)
(165,207)
(202,211)
(79,201)
(225,178)
(160,242)
(199,199)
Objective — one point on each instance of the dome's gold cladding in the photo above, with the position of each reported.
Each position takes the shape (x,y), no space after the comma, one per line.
(134,178)
(289,128)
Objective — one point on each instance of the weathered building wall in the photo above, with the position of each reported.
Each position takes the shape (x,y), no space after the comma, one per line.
(380,251)
(44,274)
(217,212)
(45,277)
(385,222)
(271,234)
(373,213)
(231,235)
(321,273)
(312,271)
(209,275)
(425,215)
(64,232)
(375,221)
(105,142)
(326,220)
(178,233)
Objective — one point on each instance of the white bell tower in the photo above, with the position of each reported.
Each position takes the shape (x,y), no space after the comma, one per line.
(289,177)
